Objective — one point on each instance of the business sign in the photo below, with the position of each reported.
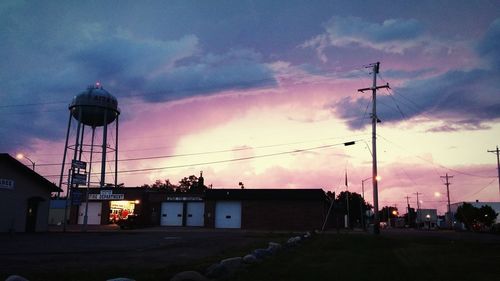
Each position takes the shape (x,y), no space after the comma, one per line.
(79,179)
(7,184)
(76,164)
(182,198)
(76,197)
(106,195)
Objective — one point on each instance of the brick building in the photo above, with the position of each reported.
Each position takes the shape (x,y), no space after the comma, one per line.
(266,209)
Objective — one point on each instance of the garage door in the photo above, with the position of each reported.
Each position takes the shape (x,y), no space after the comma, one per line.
(195,212)
(93,213)
(171,213)
(228,214)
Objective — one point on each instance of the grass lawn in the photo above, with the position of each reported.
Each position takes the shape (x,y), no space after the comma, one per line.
(365,257)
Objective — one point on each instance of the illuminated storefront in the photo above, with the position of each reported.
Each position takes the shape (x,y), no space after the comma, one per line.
(120,210)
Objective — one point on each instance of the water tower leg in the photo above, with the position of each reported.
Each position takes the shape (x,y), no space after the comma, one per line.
(85,218)
(104,144)
(64,157)
(116,154)
(72,170)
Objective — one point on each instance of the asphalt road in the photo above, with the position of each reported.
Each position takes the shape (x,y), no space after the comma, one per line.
(41,252)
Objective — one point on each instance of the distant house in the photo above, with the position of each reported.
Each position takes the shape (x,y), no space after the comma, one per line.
(494,205)
(427,218)
(24,197)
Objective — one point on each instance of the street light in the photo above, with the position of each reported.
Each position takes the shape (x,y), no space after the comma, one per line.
(20,156)
(361,203)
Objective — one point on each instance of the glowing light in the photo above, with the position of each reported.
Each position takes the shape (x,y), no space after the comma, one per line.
(378,178)
(394,212)
(137,201)
(19,156)
(437,194)
(98,84)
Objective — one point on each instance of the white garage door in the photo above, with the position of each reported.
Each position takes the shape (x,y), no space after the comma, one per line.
(171,213)
(93,214)
(228,214)
(195,212)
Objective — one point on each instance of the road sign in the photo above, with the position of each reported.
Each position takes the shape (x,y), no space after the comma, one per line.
(77,164)
(76,197)
(79,179)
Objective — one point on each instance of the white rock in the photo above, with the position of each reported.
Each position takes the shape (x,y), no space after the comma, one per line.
(232,264)
(216,270)
(188,276)
(249,259)
(16,278)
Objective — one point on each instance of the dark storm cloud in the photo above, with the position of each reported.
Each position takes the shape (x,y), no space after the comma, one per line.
(46,60)
(463,99)
(355,28)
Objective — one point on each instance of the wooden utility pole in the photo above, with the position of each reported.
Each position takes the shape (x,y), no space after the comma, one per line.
(408,216)
(375,70)
(498,165)
(418,201)
(450,216)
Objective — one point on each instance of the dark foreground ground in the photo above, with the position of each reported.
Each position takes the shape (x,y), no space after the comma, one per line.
(394,255)
(146,254)
(158,253)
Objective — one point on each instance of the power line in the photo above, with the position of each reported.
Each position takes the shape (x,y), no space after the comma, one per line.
(209,152)
(437,164)
(224,161)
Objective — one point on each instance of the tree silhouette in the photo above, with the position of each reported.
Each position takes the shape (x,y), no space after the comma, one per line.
(357,206)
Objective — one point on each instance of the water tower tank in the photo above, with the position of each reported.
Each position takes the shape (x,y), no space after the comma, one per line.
(94,103)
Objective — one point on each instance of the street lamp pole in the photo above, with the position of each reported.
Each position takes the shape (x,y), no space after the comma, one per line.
(22,156)
(361,203)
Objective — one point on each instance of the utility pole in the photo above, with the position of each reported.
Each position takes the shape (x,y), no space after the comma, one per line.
(418,201)
(348,223)
(408,209)
(498,165)
(417,219)
(374,88)
(450,217)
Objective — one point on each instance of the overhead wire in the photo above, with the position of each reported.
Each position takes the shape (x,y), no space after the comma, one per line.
(225,160)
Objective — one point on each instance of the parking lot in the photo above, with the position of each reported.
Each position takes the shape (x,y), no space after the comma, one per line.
(41,254)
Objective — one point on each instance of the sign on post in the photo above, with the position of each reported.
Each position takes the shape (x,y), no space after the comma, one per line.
(76,197)
(79,179)
(77,164)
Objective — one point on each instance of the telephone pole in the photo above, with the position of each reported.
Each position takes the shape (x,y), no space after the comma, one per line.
(417,219)
(498,165)
(450,217)
(375,70)
(408,217)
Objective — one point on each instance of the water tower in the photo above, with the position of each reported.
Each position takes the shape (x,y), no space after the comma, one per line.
(96,109)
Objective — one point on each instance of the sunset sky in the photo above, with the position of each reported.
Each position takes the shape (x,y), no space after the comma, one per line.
(216,81)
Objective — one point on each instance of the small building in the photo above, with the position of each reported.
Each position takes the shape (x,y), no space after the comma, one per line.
(24,197)
(426,218)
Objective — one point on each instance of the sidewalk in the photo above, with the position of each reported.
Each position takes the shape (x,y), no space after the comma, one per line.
(79,228)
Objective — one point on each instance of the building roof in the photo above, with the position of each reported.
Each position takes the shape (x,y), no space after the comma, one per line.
(4,157)
(265,194)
